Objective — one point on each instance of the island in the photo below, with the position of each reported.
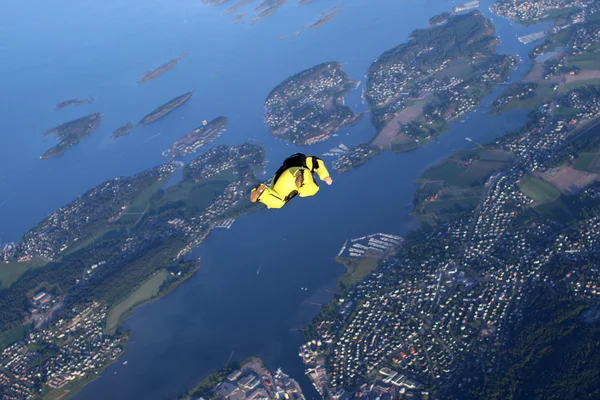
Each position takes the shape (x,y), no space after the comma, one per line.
(117,246)
(327,16)
(443,72)
(247,380)
(309,107)
(122,131)
(197,138)
(71,133)
(237,6)
(165,109)
(532,11)
(266,9)
(149,75)
(499,288)
(73,102)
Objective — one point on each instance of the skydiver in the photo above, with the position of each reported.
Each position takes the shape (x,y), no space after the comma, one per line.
(294,177)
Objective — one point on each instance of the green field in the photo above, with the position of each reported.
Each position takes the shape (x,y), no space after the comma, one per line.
(558,210)
(356,269)
(12,271)
(539,190)
(9,337)
(452,205)
(584,161)
(145,292)
(456,172)
(543,94)
(573,85)
(448,171)
(585,61)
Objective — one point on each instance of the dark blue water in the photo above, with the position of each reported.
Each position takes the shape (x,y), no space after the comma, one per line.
(95,49)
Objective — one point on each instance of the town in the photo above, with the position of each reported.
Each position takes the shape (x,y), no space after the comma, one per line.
(147,236)
(47,359)
(450,298)
(309,107)
(252,380)
(416,88)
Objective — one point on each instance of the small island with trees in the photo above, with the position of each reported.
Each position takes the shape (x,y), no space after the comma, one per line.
(70,133)
(72,102)
(165,108)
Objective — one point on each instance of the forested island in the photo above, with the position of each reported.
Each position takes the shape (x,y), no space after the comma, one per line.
(443,72)
(197,138)
(123,131)
(116,246)
(327,16)
(73,102)
(165,108)
(70,133)
(309,107)
(266,9)
(155,73)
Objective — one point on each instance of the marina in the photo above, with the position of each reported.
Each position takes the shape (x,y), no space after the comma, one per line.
(226,224)
(377,243)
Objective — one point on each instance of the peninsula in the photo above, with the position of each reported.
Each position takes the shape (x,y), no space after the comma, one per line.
(116,246)
(149,75)
(309,107)
(443,72)
(70,133)
(248,380)
(200,136)
(498,289)
(165,109)
(566,59)
(122,131)
(73,102)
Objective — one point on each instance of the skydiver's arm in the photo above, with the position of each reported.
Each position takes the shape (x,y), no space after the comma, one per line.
(271,199)
(318,165)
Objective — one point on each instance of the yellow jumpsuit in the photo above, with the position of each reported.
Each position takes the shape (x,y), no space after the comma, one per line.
(281,191)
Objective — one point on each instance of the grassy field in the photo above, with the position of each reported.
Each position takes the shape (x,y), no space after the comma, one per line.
(9,273)
(586,61)
(558,210)
(142,201)
(543,94)
(356,269)
(12,336)
(196,197)
(451,205)
(573,85)
(538,189)
(565,112)
(448,171)
(584,161)
(457,173)
(145,292)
